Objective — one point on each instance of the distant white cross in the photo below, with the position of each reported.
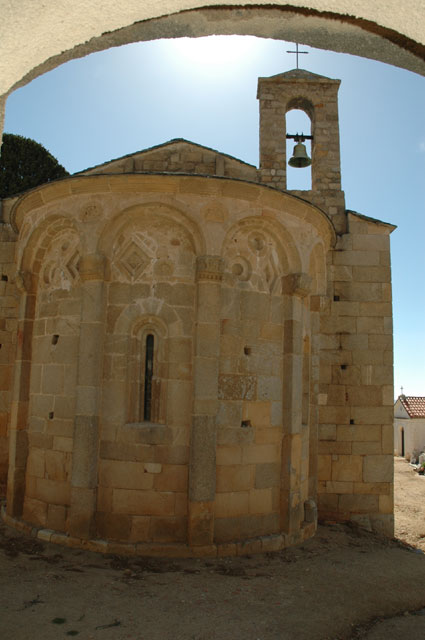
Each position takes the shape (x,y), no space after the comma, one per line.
(401,388)
(297,52)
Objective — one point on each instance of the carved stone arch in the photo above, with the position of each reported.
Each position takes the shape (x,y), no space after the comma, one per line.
(152,309)
(317,270)
(259,251)
(31,256)
(129,242)
(303,104)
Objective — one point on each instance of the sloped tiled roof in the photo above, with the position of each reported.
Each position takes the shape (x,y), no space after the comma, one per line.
(414,405)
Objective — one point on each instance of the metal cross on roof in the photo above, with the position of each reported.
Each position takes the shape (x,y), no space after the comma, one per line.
(297,52)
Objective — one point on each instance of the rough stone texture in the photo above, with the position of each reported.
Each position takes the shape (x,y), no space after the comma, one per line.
(266,390)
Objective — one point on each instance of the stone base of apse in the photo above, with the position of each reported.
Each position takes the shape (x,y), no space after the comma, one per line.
(262,544)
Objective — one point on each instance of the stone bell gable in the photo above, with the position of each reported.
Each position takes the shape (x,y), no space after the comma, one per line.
(317,96)
(196,364)
(179,156)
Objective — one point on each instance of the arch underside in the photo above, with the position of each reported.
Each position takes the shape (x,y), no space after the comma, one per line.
(327,30)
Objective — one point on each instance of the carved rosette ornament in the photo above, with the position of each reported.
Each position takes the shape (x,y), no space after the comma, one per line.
(252,256)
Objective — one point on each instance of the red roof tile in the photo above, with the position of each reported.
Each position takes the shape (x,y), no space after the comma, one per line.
(414,405)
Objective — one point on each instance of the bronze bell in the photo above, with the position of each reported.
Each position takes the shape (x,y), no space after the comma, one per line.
(300,157)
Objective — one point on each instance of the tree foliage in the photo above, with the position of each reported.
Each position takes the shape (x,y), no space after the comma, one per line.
(24,164)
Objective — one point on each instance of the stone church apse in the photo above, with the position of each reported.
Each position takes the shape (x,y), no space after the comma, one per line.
(203,362)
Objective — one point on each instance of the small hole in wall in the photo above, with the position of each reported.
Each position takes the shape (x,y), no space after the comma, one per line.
(336,298)
(51,415)
(55,338)
(1,346)
(247,351)
(246,423)
(343,366)
(4,278)
(351,421)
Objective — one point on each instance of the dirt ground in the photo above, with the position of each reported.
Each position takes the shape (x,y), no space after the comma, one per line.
(344,584)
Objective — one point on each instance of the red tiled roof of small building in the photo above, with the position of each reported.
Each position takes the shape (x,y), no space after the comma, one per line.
(414,405)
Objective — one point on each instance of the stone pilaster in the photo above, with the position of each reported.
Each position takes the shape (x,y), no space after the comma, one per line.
(18,431)
(205,401)
(295,443)
(89,380)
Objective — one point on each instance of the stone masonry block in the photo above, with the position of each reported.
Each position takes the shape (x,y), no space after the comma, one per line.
(339,487)
(260,453)
(57,466)
(113,526)
(372,415)
(124,475)
(387,438)
(386,504)
(235,478)
(261,501)
(53,492)
(231,504)
(347,468)
(335,447)
(171,529)
(324,467)
(258,413)
(378,468)
(35,511)
(140,503)
(327,432)
(359,433)
(267,475)
(173,477)
(366,448)
(359,503)
(380,488)
(140,526)
(56,517)
(268,435)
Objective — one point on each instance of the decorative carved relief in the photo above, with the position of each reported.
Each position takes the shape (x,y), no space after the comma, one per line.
(154,250)
(209,268)
(60,266)
(131,260)
(252,257)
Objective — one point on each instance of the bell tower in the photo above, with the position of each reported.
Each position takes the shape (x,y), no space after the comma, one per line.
(317,96)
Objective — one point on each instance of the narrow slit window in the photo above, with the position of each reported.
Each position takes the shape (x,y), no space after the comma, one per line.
(147,399)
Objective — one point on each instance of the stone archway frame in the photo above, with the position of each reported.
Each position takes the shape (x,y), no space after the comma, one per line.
(139,213)
(27,281)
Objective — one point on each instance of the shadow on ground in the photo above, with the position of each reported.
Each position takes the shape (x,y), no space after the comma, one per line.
(345,583)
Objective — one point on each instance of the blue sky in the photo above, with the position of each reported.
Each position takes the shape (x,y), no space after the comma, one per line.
(122,100)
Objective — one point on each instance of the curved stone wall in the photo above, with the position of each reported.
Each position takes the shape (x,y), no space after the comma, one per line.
(168,388)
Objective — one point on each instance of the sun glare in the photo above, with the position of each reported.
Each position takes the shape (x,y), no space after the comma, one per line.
(214,51)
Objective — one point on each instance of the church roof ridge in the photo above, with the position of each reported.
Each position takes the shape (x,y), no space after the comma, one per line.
(158,146)
(362,216)
(301,74)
